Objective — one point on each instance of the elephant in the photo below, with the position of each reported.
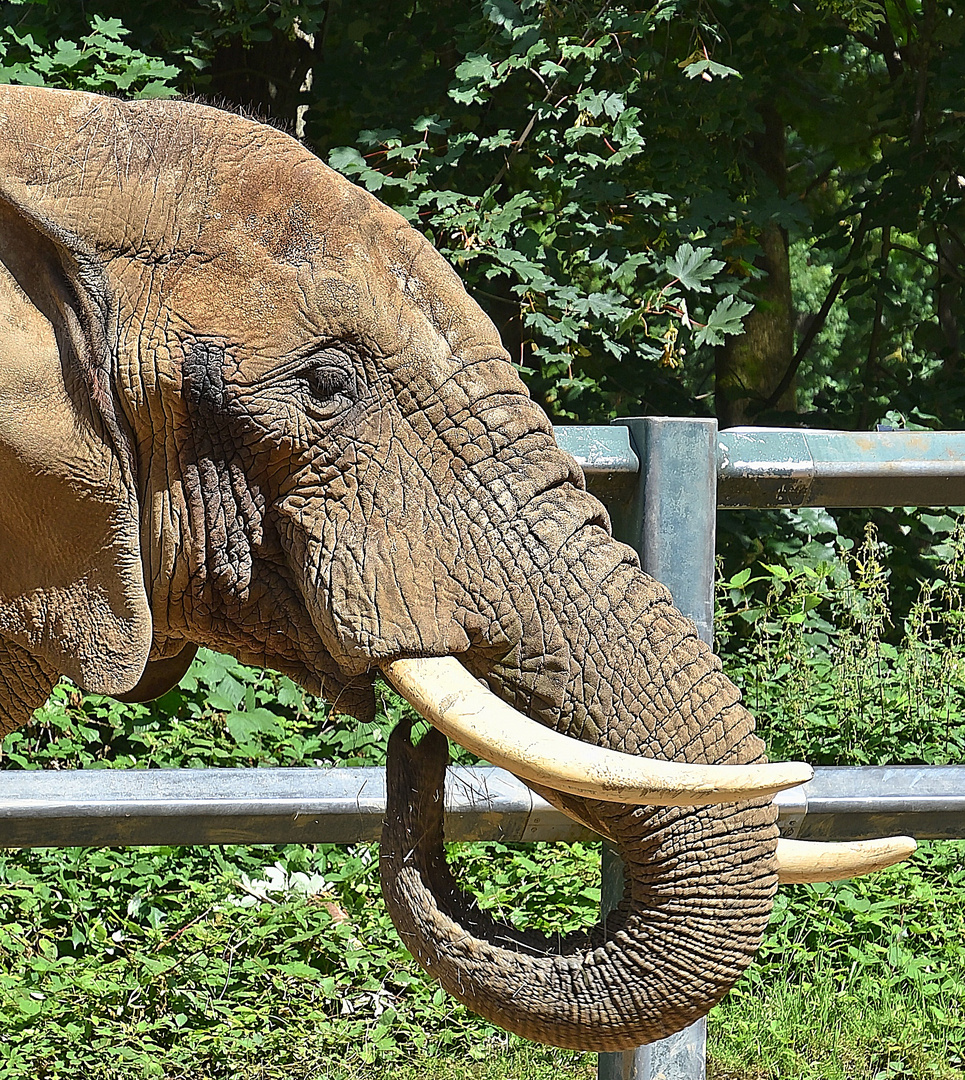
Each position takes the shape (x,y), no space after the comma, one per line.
(244,405)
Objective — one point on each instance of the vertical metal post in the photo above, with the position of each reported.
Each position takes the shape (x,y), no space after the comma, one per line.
(672,525)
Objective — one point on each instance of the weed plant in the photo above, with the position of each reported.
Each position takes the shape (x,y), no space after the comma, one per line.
(860,980)
(264,962)
(828,677)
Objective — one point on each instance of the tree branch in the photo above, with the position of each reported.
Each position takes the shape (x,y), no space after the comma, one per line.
(923,58)
(917,254)
(817,323)
(877,323)
(517,144)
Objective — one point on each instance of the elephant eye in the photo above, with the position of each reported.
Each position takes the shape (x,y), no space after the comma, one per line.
(332,388)
(326,382)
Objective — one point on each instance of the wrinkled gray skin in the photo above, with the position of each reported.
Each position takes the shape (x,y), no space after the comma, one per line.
(244,405)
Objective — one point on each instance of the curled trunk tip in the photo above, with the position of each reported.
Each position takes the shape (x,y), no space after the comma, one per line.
(689,924)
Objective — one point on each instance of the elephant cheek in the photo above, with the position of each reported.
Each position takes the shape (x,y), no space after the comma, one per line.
(378,594)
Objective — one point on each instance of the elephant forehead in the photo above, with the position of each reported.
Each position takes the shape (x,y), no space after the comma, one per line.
(269,312)
(291,276)
(324,253)
(246,235)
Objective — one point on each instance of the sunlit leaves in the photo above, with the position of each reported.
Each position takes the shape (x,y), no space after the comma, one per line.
(101,60)
(708,69)
(694,267)
(726,318)
(548,193)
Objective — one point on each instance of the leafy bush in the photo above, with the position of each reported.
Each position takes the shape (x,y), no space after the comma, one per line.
(861,979)
(808,641)
(215,962)
(222,714)
(100,60)
(150,963)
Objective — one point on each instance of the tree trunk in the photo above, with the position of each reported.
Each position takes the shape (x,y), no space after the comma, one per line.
(751,365)
(949,303)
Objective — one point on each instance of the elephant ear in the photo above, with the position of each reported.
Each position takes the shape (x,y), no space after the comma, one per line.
(71,581)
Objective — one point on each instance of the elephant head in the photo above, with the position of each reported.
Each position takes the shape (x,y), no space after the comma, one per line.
(244,405)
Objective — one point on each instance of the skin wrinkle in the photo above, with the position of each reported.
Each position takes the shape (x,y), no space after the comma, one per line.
(24,680)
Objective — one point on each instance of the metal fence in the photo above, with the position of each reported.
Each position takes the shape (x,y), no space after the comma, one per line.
(662,479)
(127,807)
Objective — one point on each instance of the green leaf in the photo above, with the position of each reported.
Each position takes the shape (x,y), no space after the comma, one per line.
(346,159)
(66,53)
(693,266)
(707,69)
(243,726)
(726,318)
(475,66)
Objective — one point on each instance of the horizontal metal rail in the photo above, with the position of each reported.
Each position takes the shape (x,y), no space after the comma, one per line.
(789,467)
(601,451)
(774,467)
(128,807)
(862,802)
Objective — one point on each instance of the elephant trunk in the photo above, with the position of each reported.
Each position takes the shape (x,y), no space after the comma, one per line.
(699,880)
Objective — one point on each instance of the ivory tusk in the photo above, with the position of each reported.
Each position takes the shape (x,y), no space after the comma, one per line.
(456,703)
(798,861)
(803,861)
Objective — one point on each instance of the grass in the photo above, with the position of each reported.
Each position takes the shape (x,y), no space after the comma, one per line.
(829,1031)
(521,1063)
(861,980)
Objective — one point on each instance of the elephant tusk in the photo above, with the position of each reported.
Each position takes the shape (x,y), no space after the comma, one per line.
(452,700)
(803,861)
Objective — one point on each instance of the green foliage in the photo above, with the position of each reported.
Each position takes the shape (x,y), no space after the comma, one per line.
(222,714)
(861,980)
(532,172)
(570,159)
(99,60)
(566,160)
(215,962)
(820,673)
(514,134)
(153,962)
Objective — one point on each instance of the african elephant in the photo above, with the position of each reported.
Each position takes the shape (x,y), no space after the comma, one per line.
(244,405)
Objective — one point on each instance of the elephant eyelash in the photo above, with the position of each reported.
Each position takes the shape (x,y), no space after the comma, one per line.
(326,382)
(301,364)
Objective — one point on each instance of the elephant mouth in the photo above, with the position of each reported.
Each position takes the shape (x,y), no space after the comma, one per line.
(443,692)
